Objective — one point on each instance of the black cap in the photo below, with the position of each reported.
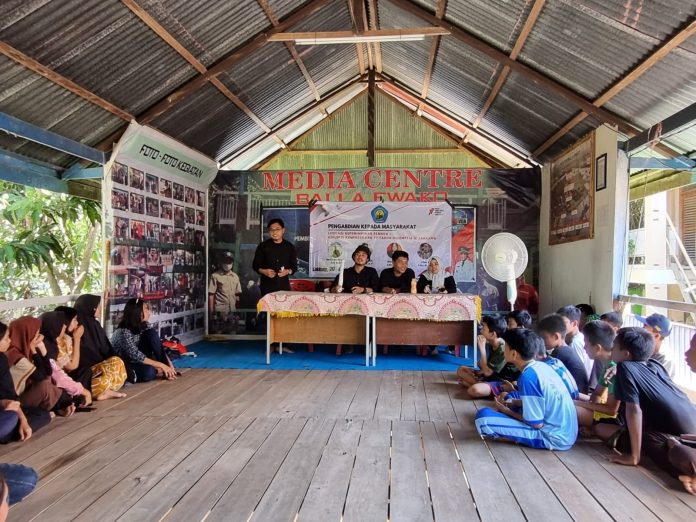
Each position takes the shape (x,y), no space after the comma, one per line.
(228,255)
(362,248)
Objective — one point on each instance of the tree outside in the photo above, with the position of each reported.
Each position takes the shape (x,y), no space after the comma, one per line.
(50,243)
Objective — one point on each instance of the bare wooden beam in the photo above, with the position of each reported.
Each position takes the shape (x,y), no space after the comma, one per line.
(654,57)
(362,152)
(293,52)
(374,25)
(62,81)
(230,59)
(439,13)
(371,33)
(517,48)
(355,7)
(535,76)
(371,114)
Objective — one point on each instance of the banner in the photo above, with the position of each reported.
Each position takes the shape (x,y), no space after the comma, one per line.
(155,223)
(486,201)
(336,229)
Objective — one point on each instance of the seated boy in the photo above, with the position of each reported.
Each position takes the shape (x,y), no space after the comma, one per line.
(548,419)
(571,317)
(519,319)
(613,319)
(602,406)
(552,329)
(493,369)
(656,409)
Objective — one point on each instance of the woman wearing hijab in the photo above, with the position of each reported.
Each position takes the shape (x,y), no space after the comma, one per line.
(54,327)
(436,280)
(99,368)
(16,422)
(26,344)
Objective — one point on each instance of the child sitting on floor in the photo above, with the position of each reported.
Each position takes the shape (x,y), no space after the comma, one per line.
(571,317)
(519,319)
(656,409)
(602,407)
(548,419)
(493,369)
(552,330)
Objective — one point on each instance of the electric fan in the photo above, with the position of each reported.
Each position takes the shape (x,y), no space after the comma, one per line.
(504,258)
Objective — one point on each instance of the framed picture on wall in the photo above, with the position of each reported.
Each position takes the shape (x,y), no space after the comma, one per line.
(601,172)
(571,216)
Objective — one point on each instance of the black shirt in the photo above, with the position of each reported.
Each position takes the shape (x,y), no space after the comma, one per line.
(367,278)
(575,366)
(401,283)
(665,407)
(423,281)
(274,256)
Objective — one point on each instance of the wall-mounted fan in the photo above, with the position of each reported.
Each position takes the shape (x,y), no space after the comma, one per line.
(504,258)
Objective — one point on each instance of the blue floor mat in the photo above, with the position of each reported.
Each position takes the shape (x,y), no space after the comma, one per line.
(252,355)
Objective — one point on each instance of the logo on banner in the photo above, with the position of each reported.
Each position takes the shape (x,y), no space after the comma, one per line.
(379,214)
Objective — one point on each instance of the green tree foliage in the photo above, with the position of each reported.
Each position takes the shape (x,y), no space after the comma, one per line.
(48,243)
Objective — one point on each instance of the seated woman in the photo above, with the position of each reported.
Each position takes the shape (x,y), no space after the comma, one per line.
(99,369)
(54,326)
(16,422)
(436,280)
(139,345)
(31,368)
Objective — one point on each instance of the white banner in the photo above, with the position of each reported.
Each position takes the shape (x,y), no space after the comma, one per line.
(336,229)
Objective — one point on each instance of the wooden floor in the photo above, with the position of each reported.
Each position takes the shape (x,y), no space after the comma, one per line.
(240,445)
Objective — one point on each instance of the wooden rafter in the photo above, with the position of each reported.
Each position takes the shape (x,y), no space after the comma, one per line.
(62,81)
(517,48)
(291,47)
(228,61)
(372,24)
(160,31)
(657,55)
(535,76)
(397,92)
(435,44)
(355,7)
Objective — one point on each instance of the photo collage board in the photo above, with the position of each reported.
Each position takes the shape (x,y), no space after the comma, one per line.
(158,249)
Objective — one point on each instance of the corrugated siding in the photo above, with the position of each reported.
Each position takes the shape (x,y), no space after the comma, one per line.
(346,129)
(103,47)
(209,122)
(269,83)
(209,30)
(575,47)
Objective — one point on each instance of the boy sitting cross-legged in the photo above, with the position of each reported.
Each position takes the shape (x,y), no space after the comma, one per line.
(552,330)
(493,369)
(548,419)
(602,407)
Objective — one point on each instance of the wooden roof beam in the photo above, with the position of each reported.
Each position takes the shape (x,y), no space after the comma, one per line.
(160,31)
(228,61)
(371,21)
(439,13)
(521,39)
(291,47)
(657,55)
(535,76)
(355,8)
(60,80)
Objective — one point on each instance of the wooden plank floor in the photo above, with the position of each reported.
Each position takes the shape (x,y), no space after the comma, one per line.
(239,445)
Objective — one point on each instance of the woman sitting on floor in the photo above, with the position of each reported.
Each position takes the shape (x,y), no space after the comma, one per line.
(16,422)
(140,346)
(99,369)
(31,369)
(54,327)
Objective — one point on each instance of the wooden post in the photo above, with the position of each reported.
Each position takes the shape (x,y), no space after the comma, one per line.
(371,119)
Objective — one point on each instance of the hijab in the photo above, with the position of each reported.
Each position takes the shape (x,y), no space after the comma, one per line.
(437,280)
(94,345)
(22,331)
(52,324)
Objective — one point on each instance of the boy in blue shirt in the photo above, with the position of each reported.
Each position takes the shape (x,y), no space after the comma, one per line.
(548,419)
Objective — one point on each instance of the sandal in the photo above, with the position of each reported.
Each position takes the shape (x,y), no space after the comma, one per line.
(614,439)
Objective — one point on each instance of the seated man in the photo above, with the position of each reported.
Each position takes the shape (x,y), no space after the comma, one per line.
(397,279)
(656,411)
(359,278)
(552,330)
(548,419)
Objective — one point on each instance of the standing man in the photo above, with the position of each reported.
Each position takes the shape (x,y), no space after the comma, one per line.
(275,259)
(464,271)
(358,279)
(224,290)
(397,279)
